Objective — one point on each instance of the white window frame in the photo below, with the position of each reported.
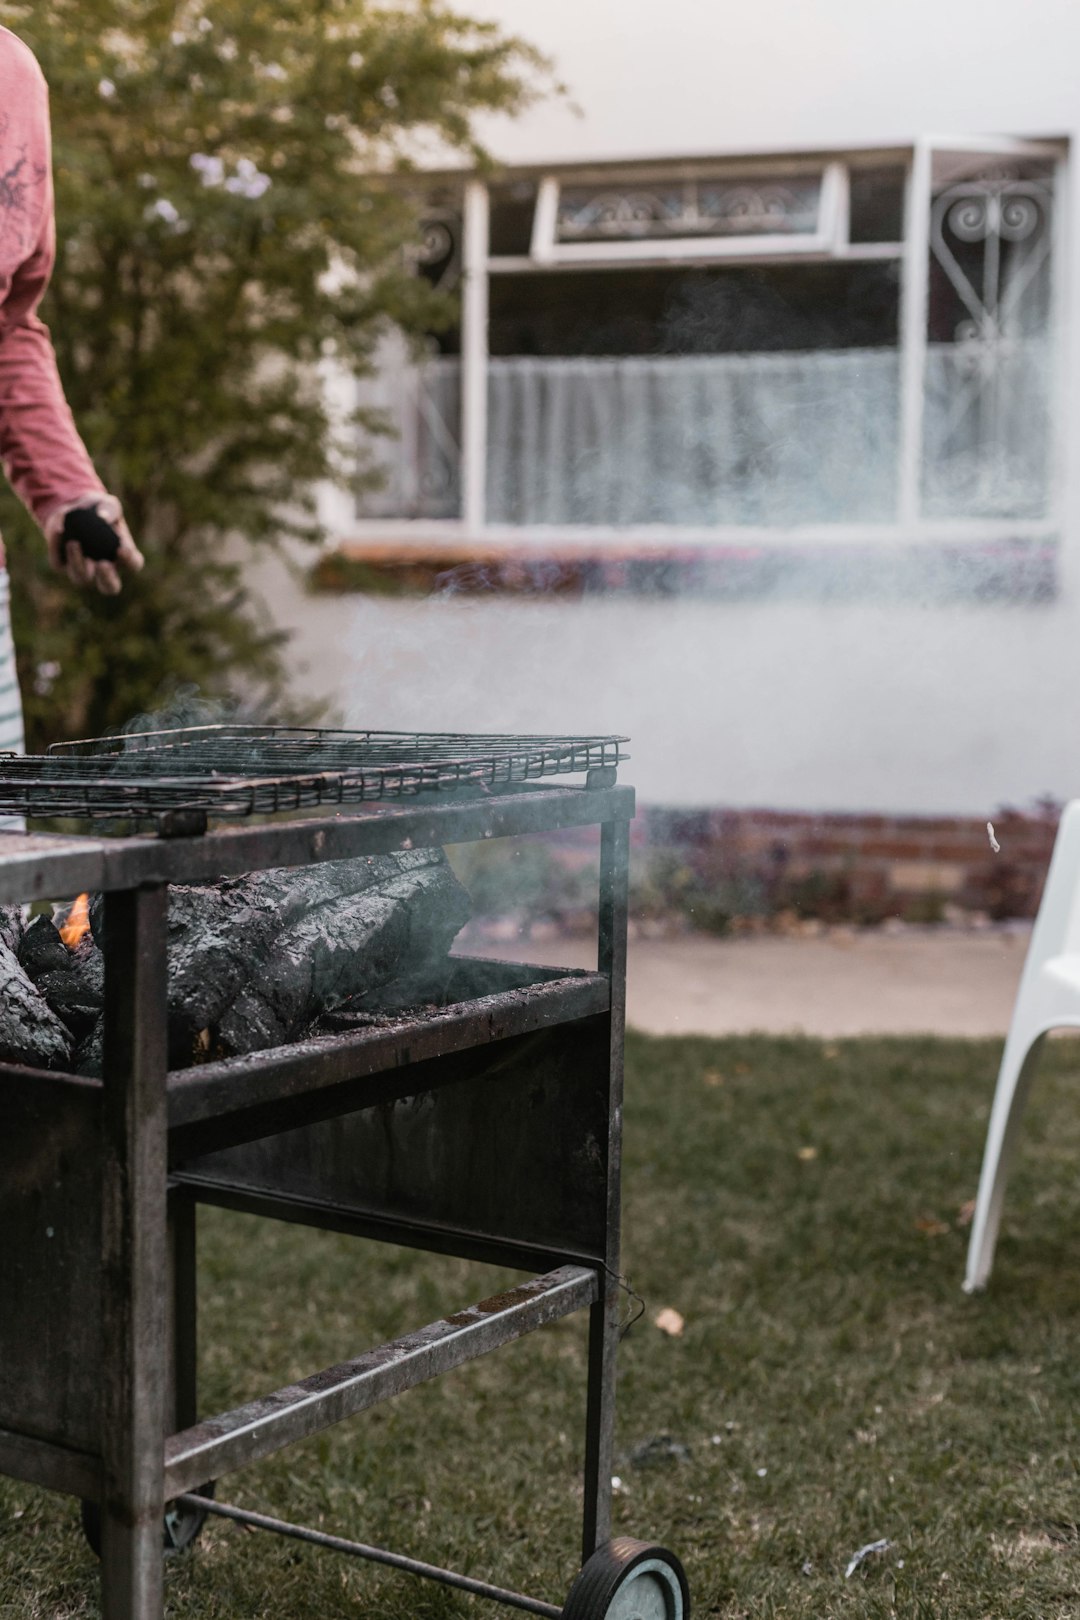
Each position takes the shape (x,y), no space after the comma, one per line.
(831,231)
(830,242)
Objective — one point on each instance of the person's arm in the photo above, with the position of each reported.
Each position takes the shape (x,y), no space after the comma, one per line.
(41,452)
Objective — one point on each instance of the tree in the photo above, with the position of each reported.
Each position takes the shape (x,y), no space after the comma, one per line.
(230,216)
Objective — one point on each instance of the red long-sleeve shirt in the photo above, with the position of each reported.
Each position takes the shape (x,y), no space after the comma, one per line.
(41,452)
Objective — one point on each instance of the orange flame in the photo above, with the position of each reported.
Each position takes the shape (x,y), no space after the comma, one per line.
(77,925)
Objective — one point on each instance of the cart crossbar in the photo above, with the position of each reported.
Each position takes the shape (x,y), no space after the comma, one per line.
(375,1555)
(229,1441)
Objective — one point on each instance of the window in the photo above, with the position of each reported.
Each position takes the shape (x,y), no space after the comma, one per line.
(410,404)
(822,347)
(987,427)
(780,211)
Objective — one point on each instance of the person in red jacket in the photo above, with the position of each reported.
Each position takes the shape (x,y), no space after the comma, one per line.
(41,452)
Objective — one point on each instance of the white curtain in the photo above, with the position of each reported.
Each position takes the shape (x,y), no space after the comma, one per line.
(705,440)
(987,429)
(698,440)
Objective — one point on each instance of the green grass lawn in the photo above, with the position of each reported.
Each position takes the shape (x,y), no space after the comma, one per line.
(801,1206)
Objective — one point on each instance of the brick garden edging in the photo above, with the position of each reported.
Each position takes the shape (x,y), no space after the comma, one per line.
(722,870)
(861,867)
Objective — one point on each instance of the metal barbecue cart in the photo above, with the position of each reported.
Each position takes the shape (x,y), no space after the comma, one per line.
(502,1146)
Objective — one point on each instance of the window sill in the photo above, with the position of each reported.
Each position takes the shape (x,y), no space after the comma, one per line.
(1016,569)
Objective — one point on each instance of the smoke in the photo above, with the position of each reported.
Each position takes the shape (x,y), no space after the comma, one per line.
(699,543)
(188,706)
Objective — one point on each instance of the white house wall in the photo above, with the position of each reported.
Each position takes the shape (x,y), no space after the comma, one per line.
(709,76)
(781,704)
(887,704)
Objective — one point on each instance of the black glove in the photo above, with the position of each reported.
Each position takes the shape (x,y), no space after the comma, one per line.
(98,540)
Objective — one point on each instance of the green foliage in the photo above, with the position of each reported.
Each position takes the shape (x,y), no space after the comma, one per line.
(221,238)
(668,884)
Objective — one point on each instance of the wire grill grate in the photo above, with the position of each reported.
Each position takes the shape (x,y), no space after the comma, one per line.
(236,770)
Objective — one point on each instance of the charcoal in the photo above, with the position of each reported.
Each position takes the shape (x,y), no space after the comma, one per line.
(41,950)
(30,1031)
(76,991)
(89,1056)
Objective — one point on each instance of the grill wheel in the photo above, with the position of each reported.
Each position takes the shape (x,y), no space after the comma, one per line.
(629,1580)
(179,1529)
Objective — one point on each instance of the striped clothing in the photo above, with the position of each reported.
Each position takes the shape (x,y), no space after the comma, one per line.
(11,720)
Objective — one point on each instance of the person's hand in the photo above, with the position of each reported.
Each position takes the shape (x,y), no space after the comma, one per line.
(67,557)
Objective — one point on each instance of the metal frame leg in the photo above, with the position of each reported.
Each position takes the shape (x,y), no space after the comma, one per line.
(600,1422)
(134,1255)
(604,1315)
(183,1307)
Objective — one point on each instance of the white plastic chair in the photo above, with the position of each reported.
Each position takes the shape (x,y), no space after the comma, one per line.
(1048,998)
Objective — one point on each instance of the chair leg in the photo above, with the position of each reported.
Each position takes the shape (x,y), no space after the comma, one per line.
(1010,1095)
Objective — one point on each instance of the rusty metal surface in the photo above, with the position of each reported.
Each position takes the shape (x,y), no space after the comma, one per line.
(221,1444)
(50,1201)
(57,1468)
(509,1142)
(135,1367)
(40,866)
(429,1236)
(265,1093)
(604,1317)
(491,1129)
(182,1300)
(43,865)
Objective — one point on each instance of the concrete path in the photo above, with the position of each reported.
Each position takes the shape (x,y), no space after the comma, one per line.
(937,981)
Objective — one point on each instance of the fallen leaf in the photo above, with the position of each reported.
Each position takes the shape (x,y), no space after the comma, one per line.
(670,1322)
(742,1068)
(965,1214)
(830,1052)
(931,1227)
(806,1154)
(713,1077)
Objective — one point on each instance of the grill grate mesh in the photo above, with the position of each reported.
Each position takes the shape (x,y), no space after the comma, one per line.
(238,770)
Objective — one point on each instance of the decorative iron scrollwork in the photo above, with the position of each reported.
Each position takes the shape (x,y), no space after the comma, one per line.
(437,254)
(997,209)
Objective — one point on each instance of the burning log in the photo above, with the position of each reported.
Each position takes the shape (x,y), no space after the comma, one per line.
(398,925)
(12,927)
(255,961)
(30,1032)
